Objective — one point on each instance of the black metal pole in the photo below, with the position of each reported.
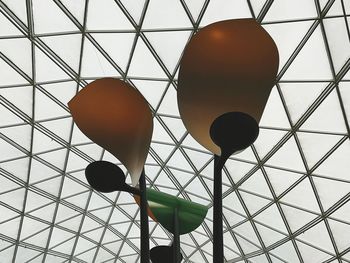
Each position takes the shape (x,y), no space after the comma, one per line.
(218,249)
(144,220)
(176,241)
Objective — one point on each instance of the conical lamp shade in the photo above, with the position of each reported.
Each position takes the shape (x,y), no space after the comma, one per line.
(228,66)
(117,117)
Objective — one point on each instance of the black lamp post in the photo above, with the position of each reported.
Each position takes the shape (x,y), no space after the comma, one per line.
(226,74)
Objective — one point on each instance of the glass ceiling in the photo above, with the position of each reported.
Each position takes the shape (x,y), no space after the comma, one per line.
(286,198)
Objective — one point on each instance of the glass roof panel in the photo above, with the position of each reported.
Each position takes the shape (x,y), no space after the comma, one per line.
(286,198)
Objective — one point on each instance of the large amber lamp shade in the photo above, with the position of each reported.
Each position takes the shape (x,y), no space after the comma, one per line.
(116,116)
(228,66)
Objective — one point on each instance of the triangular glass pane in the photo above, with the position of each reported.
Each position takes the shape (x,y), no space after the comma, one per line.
(8,151)
(35,201)
(8,118)
(87,255)
(10,228)
(7,185)
(338,41)
(257,6)
(256,183)
(51,186)
(315,146)
(19,8)
(46,69)
(195,7)
(176,126)
(253,203)
(178,161)
(318,236)
(21,135)
(77,8)
(302,196)
(223,10)
(274,113)
(60,127)
(287,36)
(117,46)
(41,142)
(9,76)
(311,254)
(76,162)
(169,104)
(144,64)
(246,246)
(337,164)
(286,251)
(135,8)
(341,233)
(327,117)
(7,214)
(266,140)
(162,42)
(56,158)
(281,180)
(19,51)
(39,239)
(162,150)
(24,254)
(330,191)
(151,90)
(31,227)
(336,9)
(21,97)
(76,182)
(7,28)
(67,47)
(238,169)
(199,159)
(46,213)
(44,12)
(344,88)
(64,213)
(290,10)
(113,17)
(297,105)
(311,62)
(94,64)
(268,235)
(297,218)
(288,156)
(272,217)
(65,247)
(169,14)
(14,198)
(160,134)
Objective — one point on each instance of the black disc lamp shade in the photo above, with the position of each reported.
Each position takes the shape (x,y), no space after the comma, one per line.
(107,177)
(233,132)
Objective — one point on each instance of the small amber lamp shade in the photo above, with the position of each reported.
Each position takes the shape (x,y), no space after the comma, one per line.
(117,117)
(228,66)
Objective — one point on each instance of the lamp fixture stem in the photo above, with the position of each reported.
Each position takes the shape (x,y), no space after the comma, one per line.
(145,258)
(176,241)
(218,250)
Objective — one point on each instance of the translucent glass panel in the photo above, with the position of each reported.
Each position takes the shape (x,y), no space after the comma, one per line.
(286,198)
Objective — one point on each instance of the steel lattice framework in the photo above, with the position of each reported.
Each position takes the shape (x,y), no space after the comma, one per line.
(286,198)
